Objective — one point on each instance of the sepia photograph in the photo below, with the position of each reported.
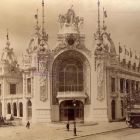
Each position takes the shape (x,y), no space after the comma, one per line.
(70,70)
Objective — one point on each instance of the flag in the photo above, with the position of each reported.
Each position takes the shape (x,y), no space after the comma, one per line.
(136,57)
(105,14)
(130,53)
(36,16)
(120,49)
(7,36)
(126,52)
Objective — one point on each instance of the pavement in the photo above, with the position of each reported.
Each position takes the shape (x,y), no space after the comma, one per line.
(56,131)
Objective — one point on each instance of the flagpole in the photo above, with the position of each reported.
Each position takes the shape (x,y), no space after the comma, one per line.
(125,53)
(7,34)
(99,18)
(103,18)
(130,54)
(119,52)
(37,17)
(43,22)
(135,56)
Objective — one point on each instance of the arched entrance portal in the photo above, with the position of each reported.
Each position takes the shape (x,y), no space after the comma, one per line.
(113,109)
(14,109)
(20,109)
(8,108)
(70,112)
(70,80)
(29,109)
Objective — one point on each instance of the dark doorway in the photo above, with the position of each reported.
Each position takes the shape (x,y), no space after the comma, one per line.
(29,109)
(20,109)
(14,109)
(69,112)
(113,110)
(8,108)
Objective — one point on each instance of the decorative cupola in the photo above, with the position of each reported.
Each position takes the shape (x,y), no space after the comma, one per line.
(8,58)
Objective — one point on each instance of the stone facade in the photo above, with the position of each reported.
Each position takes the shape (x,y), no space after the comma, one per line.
(69,82)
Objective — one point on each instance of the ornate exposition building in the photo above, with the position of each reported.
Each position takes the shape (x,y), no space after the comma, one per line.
(50,81)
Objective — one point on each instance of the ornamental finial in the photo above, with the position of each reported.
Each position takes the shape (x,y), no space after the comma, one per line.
(43,21)
(70,22)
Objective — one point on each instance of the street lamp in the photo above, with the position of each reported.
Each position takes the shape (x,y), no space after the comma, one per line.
(74,105)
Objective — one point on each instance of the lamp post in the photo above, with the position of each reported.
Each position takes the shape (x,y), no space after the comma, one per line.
(74,105)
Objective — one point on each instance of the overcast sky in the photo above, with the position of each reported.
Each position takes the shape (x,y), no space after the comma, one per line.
(123,20)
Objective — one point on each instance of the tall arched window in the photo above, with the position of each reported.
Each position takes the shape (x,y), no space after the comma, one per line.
(29,109)
(14,109)
(20,109)
(71,78)
(8,108)
(0,108)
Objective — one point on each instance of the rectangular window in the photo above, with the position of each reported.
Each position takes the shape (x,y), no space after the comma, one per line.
(28,85)
(121,85)
(12,88)
(113,84)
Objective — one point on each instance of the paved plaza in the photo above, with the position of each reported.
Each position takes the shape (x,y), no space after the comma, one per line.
(55,131)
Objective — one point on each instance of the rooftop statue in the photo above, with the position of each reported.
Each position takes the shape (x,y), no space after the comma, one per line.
(70,20)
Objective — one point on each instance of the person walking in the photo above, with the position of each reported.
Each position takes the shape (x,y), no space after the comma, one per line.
(28,125)
(67,126)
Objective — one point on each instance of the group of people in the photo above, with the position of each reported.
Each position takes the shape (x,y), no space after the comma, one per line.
(2,121)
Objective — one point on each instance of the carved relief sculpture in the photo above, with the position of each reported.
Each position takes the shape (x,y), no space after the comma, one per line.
(43,77)
(43,88)
(100,80)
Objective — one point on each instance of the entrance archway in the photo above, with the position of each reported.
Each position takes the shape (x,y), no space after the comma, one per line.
(20,109)
(113,109)
(71,73)
(68,112)
(8,108)
(29,109)
(14,109)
